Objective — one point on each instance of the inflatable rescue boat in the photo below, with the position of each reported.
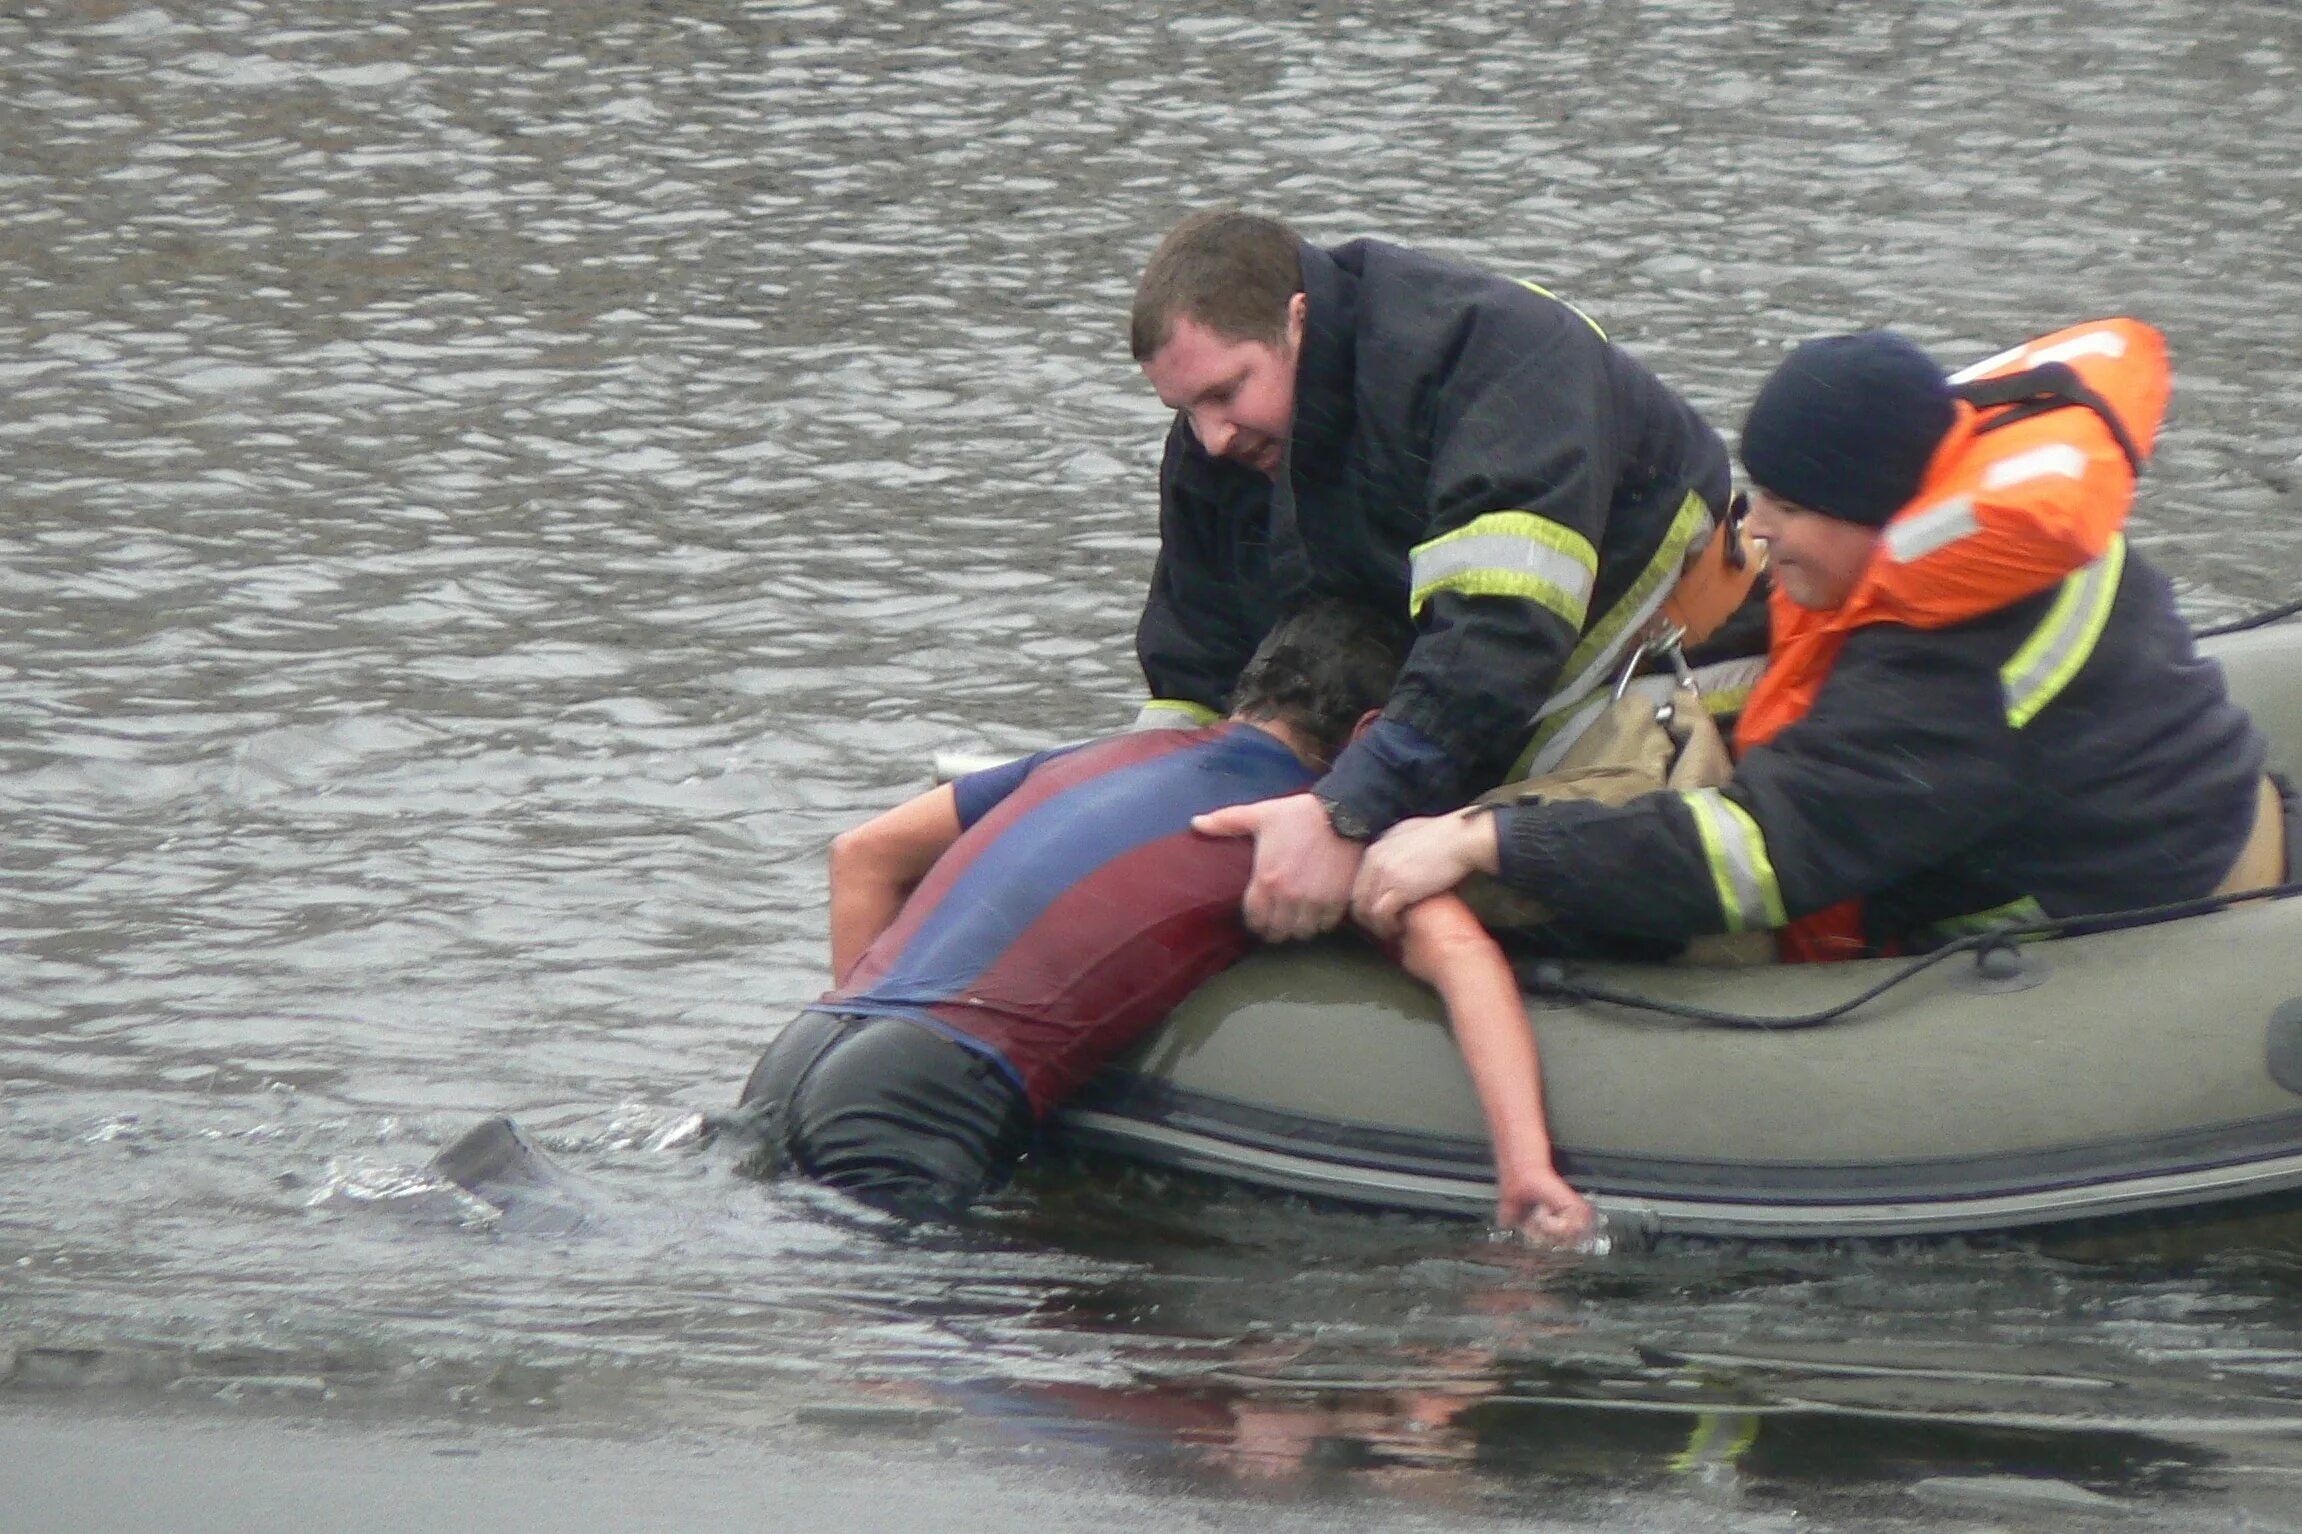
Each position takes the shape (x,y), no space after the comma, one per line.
(2151,1068)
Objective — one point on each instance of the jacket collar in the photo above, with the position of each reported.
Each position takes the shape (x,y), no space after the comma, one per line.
(1324,367)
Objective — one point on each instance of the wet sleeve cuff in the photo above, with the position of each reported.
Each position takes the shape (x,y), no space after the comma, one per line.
(1391,772)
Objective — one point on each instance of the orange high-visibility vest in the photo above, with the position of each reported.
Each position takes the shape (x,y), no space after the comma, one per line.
(2031,485)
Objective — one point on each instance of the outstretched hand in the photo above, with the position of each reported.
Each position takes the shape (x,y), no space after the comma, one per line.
(1301,885)
(1417,859)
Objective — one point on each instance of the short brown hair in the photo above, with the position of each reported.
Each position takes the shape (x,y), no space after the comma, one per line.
(1325,664)
(1233,272)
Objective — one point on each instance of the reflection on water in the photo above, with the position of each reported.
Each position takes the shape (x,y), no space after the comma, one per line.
(492,488)
(1773,1374)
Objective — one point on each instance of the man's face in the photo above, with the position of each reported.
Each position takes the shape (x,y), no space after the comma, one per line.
(1816,559)
(1238,395)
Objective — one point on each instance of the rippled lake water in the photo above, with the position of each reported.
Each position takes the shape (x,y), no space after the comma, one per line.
(491,488)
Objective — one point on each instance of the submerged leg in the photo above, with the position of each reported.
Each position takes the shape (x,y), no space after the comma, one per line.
(908,1121)
(890,1113)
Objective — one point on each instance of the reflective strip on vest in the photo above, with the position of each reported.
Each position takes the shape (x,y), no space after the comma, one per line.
(1595,659)
(2065,640)
(2054,458)
(1173,714)
(1912,538)
(1508,554)
(2090,343)
(1748,895)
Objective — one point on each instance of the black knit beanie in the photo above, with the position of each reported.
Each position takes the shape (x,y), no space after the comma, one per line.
(1847,425)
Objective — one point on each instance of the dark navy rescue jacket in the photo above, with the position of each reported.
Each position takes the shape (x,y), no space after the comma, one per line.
(1434,399)
(1912,784)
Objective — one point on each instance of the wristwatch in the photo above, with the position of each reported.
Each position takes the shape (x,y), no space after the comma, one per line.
(1344,821)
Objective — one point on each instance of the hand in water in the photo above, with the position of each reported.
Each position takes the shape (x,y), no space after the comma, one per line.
(1303,870)
(1539,1205)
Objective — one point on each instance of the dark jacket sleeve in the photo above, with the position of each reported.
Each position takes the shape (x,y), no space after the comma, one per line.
(1520,421)
(1905,759)
(1205,614)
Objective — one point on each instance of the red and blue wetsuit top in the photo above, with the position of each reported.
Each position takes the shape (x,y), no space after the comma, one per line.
(1078,906)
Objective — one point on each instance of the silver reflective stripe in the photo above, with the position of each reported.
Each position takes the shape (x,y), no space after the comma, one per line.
(2054,458)
(2094,343)
(2064,641)
(1940,525)
(1505,564)
(1725,687)
(1603,662)
(1560,732)
(1749,897)
(1987,365)
(1595,660)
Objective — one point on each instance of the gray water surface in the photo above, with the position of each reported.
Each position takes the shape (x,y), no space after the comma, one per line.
(490,489)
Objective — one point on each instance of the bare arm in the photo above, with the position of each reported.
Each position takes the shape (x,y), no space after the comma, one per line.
(1444,946)
(876,866)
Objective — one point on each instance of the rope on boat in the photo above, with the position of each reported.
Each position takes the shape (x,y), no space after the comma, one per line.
(1991,949)
(2261,619)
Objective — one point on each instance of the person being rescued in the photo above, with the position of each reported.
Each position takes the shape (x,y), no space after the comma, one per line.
(1979,704)
(997,939)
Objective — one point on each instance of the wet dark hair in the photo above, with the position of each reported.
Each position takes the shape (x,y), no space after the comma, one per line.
(1233,272)
(1322,668)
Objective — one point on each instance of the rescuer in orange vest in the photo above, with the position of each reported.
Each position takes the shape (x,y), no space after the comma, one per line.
(1979,704)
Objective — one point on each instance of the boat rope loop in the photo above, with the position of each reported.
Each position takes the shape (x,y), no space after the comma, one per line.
(1992,948)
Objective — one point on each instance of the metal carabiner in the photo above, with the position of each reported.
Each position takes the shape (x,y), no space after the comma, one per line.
(1667,642)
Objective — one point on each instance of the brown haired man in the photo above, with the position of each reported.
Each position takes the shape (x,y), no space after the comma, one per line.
(1369,422)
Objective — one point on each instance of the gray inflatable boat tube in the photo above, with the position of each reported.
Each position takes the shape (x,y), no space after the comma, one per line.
(2122,1073)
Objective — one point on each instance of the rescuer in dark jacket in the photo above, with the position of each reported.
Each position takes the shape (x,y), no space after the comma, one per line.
(1378,424)
(1928,752)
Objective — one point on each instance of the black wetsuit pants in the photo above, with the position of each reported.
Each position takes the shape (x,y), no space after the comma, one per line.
(887,1111)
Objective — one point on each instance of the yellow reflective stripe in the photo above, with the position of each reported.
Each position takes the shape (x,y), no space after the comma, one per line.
(1594,658)
(2025,909)
(1173,714)
(1720,1438)
(1536,287)
(1508,554)
(1726,685)
(1748,895)
(2065,640)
